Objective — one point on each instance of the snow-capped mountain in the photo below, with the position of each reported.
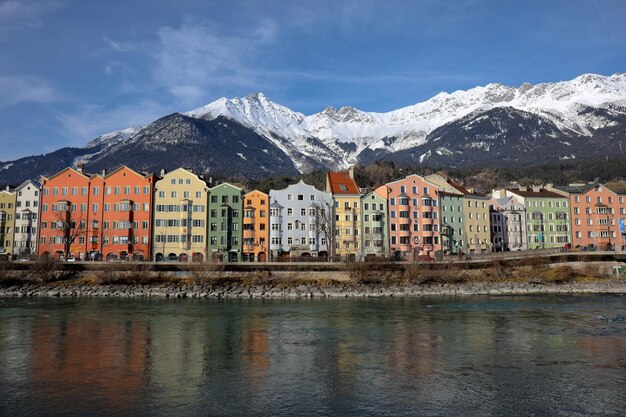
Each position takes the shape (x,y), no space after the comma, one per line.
(493,124)
(348,131)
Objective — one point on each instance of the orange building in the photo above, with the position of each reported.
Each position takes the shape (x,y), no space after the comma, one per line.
(120,215)
(64,201)
(256,230)
(596,211)
(413,217)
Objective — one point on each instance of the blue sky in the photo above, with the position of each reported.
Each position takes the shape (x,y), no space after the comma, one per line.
(71,70)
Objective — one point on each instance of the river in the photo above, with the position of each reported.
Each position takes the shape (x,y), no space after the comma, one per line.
(473,355)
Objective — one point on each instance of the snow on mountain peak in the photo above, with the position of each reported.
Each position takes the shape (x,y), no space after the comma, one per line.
(560,101)
(112,138)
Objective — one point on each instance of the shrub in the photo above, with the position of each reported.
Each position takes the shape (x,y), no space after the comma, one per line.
(560,274)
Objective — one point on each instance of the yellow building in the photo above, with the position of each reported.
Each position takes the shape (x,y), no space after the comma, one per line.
(347,199)
(180,217)
(7,220)
(476,219)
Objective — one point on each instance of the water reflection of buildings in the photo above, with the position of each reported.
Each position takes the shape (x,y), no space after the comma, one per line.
(255,351)
(99,360)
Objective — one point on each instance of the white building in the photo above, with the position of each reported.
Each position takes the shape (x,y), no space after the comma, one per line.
(26,218)
(508,223)
(301,221)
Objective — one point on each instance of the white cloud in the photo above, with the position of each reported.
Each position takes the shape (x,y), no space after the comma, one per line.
(15,90)
(193,59)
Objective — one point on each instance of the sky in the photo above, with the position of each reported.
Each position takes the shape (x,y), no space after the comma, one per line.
(71,70)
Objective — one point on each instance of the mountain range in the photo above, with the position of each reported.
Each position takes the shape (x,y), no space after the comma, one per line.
(492,125)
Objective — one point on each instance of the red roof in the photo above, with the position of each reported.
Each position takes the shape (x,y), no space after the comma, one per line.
(458,187)
(341,183)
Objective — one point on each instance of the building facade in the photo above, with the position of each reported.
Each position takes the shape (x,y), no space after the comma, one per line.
(120,215)
(26,219)
(596,211)
(374,237)
(413,218)
(347,198)
(7,220)
(225,217)
(452,224)
(548,223)
(64,214)
(301,222)
(508,224)
(477,227)
(256,226)
(180,217)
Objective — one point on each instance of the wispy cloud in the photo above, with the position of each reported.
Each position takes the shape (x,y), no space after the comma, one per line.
(194,59)
(118,46)
(90,121)
(15,90)
(24,14)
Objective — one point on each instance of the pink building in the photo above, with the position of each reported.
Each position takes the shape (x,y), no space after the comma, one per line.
(413,217)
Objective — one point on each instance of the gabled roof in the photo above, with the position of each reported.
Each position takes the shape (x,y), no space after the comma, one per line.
(458,187)
(584,188)
(341,184)
(226,184)
(74,170)
(191,173)
(502,201)
(445,185)
(122,167)
(257,192)
(25,183)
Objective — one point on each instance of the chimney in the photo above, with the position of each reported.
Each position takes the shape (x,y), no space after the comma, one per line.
(536,188)
(351,173)
(523,188)
(104,172)
(163,171)
(80,166)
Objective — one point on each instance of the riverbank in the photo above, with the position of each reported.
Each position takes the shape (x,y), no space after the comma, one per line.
(310,290)
(358,280)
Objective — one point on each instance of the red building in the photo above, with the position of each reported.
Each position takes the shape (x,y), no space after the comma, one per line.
(64,213)
(120,215)
(106,216)
(596,211)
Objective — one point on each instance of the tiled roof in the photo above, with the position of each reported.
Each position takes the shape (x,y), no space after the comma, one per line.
(458,187)
(341,183)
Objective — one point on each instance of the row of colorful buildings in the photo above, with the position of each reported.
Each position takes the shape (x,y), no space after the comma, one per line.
(179,216)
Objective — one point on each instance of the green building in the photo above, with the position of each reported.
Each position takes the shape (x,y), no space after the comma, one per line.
(225,223)
(374,226)
(452,225)
(548,222)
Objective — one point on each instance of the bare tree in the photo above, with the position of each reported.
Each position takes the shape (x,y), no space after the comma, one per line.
(71,228)
(105,235)
(326,224)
